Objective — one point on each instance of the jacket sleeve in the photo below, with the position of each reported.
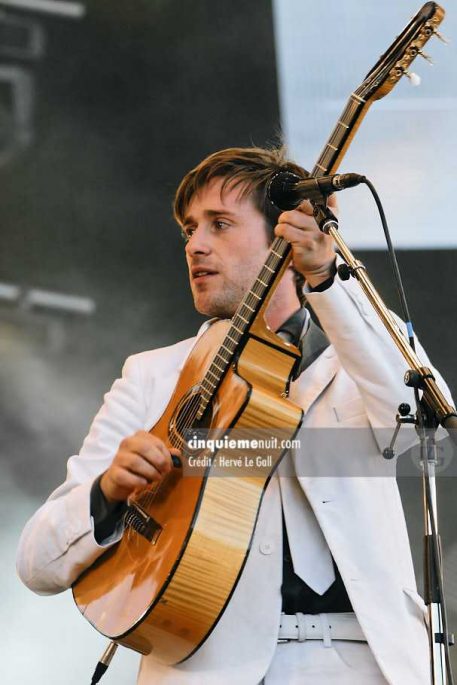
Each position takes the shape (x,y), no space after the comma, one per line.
(370,357)
(58,542)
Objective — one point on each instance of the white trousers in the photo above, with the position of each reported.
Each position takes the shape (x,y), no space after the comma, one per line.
(311,663)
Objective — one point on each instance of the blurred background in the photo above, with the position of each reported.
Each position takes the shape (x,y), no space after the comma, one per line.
(103,108)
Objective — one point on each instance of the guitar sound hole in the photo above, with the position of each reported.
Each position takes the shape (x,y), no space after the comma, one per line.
(185,417)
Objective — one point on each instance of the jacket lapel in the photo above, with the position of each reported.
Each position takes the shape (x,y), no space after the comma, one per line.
(314,379)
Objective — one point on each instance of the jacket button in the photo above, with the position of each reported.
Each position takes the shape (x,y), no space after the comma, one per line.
(266,547)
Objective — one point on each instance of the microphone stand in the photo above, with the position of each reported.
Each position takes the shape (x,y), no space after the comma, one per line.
(432,410)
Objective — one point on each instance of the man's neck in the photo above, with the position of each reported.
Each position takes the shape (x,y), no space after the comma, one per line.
(283,304)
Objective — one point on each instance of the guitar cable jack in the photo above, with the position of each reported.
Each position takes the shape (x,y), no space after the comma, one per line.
(104,662)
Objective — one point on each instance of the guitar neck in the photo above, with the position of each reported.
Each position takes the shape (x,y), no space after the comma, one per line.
(391,66)
(278,257)
(341,136)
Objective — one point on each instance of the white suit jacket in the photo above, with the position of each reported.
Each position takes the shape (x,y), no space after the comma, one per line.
(357,383)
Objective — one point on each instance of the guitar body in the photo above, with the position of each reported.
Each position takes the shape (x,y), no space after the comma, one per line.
(163,592)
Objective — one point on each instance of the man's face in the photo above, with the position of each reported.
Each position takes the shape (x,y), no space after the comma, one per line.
(226,247)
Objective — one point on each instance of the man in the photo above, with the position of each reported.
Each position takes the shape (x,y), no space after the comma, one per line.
(345,547)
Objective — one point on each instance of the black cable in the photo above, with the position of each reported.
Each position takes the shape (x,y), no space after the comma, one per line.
(394,264)
(428,496)
(100,670)
(104,662)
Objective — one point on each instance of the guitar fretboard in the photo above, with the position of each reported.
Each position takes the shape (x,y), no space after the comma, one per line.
(279,252)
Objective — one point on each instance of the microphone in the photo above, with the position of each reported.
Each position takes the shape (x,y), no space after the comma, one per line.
(286,190)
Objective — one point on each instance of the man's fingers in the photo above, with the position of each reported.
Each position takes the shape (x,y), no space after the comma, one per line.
(306,237)
(332,202)
(138,466)
(122,478)
(305,207)
(150,448)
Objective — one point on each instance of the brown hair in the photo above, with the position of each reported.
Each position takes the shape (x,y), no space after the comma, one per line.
(250,167)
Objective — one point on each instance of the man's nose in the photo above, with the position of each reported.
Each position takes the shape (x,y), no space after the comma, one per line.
(199,242)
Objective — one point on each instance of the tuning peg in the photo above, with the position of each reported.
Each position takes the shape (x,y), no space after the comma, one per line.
(414,79)
(442,38)
(425,56)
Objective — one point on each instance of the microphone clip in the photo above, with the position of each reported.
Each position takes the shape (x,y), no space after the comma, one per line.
(325,218)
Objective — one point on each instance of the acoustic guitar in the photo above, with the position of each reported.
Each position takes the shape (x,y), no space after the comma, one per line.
(165,585)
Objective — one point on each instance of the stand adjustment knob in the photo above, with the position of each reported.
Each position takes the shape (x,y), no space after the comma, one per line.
(415,379)
(388,453)
(404,409)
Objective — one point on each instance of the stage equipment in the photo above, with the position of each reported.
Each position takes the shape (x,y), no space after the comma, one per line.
(287,190)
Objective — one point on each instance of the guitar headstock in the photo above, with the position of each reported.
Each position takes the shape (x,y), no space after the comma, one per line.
(394,63)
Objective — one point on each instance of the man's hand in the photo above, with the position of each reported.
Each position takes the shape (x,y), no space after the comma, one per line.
(141,459)
(313,252)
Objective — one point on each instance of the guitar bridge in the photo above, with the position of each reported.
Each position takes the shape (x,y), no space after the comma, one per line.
(139,520)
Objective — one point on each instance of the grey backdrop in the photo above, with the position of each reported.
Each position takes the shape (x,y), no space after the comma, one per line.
(124,101)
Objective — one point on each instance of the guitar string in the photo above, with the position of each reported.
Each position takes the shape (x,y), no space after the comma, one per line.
(190,412)
(250,299)
(192,409)
(188,416)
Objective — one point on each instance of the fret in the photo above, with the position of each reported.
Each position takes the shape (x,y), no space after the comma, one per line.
(233,340)
(242,319)
(326,158)
(358,98)
(333,147)
(277,254)
(245,304)
(219,368)
(341,123)
(351,110)
(256,296)
(205,384)
(237,329)
(336,138)
(260,281)
(213,375)
(228,349)
(269,269)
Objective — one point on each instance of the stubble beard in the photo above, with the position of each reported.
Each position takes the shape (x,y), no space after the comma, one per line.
(222,305)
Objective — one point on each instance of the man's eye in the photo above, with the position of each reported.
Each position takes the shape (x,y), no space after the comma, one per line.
(187,233)
(219,224)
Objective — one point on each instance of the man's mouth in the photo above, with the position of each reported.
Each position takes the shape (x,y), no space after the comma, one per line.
(199,275)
